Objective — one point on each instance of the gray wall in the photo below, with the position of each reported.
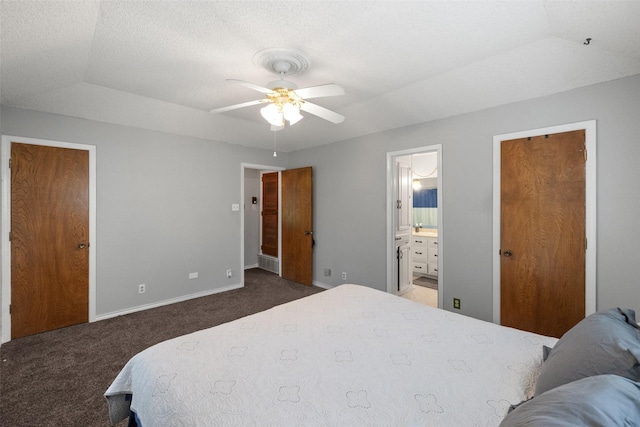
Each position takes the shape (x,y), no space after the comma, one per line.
(163,206)
(164,201)
(350,193)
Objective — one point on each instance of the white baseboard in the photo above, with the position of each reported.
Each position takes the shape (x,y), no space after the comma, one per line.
(247,267)
(167,302)
(322,285)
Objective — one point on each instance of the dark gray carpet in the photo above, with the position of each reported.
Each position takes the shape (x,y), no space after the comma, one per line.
(58,378)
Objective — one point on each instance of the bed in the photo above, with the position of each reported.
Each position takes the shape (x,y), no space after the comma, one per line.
(350,355)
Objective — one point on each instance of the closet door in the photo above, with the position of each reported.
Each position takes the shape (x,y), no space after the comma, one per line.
(542,232)
(49,238)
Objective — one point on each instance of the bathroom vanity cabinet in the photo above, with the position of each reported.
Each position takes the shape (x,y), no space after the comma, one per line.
(424,254)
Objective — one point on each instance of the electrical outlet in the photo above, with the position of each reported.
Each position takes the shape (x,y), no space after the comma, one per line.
(344,275)
(142,288)
(229,274)
(327,272)
(456,303)
(193,275)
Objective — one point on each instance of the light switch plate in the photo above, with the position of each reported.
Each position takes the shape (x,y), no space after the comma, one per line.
(235,207)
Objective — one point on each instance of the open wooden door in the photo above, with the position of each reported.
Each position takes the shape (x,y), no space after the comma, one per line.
(270,214)
(297,225)
(49,238)
(543,243)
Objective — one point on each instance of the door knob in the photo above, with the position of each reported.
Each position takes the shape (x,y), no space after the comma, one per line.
(82,245)
(308,233)
(507,253)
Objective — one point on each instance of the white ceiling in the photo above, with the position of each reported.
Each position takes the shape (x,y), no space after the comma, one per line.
(162,65)
(424,165)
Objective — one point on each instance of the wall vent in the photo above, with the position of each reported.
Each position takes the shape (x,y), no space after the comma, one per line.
(268,263)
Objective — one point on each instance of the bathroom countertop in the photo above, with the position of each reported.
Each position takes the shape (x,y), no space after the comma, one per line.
(425,232)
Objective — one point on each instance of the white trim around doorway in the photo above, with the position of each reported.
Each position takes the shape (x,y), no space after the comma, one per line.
(390,210)
(5,248)
(590,208)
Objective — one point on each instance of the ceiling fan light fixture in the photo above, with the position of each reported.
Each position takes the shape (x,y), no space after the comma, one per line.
(281,84)
(284,100)
(273,115)
(291,113)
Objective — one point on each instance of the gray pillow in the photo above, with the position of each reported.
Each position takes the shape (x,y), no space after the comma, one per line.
(606,342)
(602,400)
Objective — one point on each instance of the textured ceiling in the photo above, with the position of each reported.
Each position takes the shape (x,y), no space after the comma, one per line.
(162,65)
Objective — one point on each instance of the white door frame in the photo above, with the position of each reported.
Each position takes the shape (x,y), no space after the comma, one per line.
(244,166)
(391,197)
(590,208)
(5,246)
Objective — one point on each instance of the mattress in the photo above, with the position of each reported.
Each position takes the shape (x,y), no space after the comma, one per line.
(350,355)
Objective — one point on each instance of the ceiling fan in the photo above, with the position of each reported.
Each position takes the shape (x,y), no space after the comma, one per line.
(284,101)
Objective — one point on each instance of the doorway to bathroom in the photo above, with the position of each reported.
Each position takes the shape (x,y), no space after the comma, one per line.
(424,239)
(414,224)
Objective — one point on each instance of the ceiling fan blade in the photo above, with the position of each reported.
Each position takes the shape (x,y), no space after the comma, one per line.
(330,89)
(322,112)
(250,85)
(236,106)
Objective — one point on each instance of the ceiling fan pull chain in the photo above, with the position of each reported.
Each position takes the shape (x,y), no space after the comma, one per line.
(274,144)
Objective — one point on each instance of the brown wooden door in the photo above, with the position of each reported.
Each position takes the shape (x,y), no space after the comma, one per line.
(297,225)
(270,214)
(542,269)
(49,238)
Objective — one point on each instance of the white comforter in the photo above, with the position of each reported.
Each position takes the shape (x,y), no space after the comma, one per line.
(347,356)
